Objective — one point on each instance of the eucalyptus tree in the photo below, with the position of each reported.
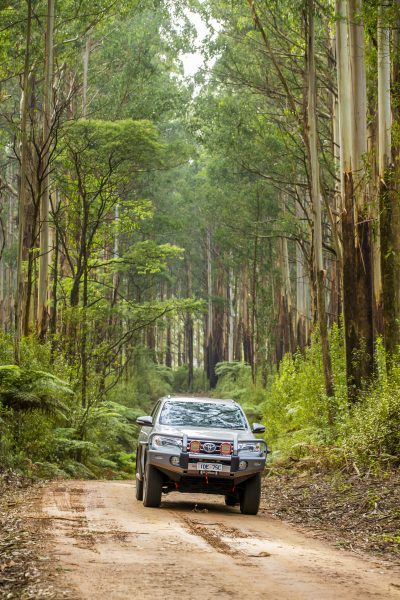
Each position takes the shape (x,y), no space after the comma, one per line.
(388,168)
(262,58)
(43,292)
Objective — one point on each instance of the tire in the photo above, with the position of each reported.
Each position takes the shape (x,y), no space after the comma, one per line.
(230,500)
(139,482)
(251,495)
(152,487)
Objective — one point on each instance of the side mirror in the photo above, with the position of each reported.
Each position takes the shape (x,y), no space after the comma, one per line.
(146,421)
(258,428)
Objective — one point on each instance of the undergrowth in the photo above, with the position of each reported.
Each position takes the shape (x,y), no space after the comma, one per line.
(294,409)
(46,432)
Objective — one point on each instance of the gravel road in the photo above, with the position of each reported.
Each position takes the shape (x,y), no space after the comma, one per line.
(110,547)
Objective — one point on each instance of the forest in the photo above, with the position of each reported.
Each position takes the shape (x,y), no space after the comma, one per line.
(233,232)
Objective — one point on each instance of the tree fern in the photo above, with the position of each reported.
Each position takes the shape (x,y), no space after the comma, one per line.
(26,389)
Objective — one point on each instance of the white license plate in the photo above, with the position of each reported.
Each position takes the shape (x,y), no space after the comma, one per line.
(209,467)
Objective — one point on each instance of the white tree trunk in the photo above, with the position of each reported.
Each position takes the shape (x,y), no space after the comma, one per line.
(20,300)
(85,60)
(384,96)
(344,88)
(43,284)
(231,315)
(316,203)
(359,92)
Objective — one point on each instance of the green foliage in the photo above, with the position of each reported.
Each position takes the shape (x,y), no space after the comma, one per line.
(26,389)
(235,381)
(372,432)
(181,376)
(294,407)
(44,430)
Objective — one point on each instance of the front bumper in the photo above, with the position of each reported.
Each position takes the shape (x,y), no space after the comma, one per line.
(187,465)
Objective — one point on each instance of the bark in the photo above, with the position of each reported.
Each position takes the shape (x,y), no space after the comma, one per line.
(356,229)
(245,318)
(42,309)
(21,292)
(189,326)
(85,61)
(376,257)
(231,319)
(208,345)
(301,301)
(389,173)
(84,338)
(316,202)
(168,352)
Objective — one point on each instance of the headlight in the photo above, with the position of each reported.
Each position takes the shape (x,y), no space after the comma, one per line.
(161,441)
(253,447)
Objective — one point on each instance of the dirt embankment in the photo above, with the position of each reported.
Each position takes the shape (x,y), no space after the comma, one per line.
(26,567)
(359,513)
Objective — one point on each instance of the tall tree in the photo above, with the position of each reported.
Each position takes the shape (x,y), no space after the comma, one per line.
(23,189)
(356,226)
(316,201)
(388,173)
(43,291)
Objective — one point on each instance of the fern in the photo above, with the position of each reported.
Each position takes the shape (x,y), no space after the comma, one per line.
(27,389)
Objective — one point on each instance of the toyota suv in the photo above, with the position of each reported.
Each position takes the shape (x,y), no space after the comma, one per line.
(200,445)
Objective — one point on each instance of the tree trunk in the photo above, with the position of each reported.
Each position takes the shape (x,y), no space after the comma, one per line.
(21,292)
(231,318)
(42,309)
(388,178)
(356,230)
(316,202)
(189,326)
(85,61)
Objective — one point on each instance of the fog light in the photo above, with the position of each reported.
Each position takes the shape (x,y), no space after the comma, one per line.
(226,448)
(194,446)
(242,465)
(174,460)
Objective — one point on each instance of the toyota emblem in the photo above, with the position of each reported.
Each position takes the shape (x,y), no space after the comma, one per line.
(209,447)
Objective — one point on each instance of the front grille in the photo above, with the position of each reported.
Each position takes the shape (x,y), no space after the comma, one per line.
(215,449)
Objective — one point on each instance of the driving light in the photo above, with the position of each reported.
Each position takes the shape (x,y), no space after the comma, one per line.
(161,441)
(226,448)
(242,465)
(194,446)
(174,460)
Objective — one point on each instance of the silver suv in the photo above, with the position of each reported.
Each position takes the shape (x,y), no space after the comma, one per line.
(200,445)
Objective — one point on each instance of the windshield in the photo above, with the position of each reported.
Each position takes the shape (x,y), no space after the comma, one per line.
(203,414)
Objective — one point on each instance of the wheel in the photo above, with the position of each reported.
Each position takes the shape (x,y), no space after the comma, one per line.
(230,500)
(139,482)
(251,495)
(152,487)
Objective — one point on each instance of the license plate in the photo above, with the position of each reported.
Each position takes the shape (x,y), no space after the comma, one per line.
(209,467)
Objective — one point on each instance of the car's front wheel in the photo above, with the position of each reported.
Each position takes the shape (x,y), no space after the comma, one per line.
(250,496)
(152,487)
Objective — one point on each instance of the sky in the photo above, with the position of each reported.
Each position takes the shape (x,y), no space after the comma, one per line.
(193,61)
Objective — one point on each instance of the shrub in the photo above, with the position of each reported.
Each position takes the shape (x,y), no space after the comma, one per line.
(180,380)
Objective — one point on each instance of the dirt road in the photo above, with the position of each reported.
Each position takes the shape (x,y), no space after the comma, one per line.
(111,547)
